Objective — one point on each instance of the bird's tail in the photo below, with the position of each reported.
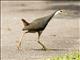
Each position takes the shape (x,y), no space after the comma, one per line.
(25,22)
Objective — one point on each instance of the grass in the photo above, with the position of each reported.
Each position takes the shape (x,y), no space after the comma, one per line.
(70,56)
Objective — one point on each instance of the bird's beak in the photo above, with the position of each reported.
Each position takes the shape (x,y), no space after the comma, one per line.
(65,13)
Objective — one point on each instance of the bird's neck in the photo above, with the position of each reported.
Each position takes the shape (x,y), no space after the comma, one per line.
(53,14)
(50,18)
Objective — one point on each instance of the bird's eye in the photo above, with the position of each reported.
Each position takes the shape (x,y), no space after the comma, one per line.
(60,11)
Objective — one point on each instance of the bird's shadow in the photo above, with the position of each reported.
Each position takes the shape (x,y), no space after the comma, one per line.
(50,49)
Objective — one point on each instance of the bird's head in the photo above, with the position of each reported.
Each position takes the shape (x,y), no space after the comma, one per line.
(58,12)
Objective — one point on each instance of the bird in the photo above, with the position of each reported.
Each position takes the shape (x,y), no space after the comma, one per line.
(38,25)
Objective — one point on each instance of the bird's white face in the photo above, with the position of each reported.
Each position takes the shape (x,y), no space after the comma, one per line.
(59,11)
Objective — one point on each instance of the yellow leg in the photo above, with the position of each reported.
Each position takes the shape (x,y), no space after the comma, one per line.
(18,45)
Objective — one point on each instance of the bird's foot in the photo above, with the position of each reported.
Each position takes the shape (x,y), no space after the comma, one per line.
(18,45)
(44,48)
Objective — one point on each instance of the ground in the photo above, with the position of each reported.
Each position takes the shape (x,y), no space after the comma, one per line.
(60,36)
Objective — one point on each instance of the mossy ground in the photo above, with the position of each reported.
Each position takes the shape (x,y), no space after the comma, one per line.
(70,56)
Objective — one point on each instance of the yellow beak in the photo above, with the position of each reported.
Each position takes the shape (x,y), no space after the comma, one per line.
(65,13)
